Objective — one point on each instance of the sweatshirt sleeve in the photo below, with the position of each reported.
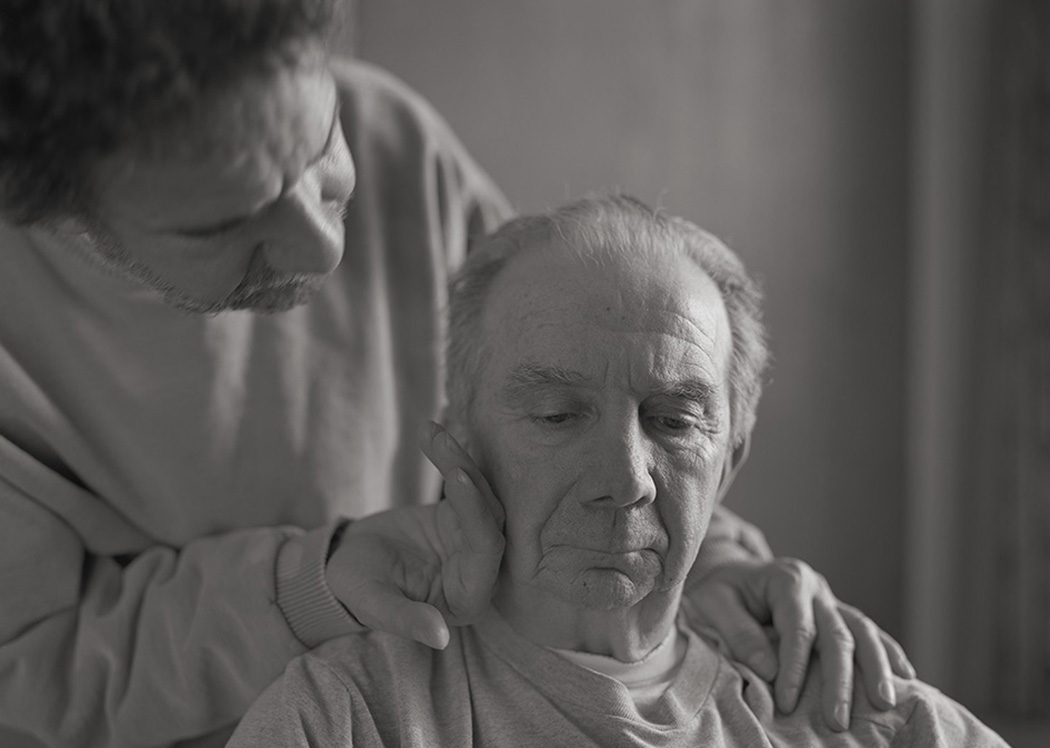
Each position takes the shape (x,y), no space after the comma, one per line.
(146,648)
(723,544)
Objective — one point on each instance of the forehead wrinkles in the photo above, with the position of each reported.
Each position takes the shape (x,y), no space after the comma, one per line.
(543,295)
(639,362)
(695,319)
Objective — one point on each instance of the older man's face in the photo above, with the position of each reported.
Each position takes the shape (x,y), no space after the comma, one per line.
(602,420)
(242,208)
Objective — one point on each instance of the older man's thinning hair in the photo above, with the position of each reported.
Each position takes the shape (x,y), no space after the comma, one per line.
(591,227)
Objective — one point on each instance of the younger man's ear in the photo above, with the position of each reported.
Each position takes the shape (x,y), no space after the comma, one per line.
(734,460)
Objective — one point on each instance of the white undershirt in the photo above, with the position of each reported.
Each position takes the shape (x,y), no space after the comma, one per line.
(645,680)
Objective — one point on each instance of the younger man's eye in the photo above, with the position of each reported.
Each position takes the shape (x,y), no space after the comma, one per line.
(215,230)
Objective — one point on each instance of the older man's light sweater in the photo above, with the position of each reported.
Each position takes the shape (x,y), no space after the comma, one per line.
(493,687)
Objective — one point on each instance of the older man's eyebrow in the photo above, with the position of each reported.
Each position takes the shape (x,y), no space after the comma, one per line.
(528,377)
(694,390)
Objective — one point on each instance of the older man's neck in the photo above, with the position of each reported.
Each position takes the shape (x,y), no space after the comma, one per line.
(627,634)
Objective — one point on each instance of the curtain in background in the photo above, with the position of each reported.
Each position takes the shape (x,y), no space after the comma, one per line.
(1013,441)
(978,520)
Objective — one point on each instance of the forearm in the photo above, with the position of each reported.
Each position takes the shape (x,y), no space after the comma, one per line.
(173,644)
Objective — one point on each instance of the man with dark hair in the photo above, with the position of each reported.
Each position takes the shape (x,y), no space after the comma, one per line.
(199,384)
(609,361)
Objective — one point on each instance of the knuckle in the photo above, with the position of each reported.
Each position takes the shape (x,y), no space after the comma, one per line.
(841,640)
(794,570)
(796,669)
(752,536)
(805,632)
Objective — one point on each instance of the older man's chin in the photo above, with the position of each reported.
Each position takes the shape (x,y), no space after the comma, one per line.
(606,589)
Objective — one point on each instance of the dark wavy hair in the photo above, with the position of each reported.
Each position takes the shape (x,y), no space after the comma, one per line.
(80,79)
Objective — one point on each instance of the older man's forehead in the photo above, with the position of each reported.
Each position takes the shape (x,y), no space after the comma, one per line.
(530,377)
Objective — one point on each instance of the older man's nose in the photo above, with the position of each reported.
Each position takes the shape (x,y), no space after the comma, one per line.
(623,469)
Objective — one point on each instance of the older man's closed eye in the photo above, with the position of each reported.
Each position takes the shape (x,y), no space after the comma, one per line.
(605,367)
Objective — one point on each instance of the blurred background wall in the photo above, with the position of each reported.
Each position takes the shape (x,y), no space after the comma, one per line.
(884,168)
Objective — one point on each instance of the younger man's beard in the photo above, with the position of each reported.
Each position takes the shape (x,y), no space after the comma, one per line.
(262,289)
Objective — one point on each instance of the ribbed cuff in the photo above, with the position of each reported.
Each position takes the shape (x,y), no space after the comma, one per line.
(312,611)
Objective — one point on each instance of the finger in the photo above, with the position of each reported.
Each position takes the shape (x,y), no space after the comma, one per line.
(836,646)
(384,608)
(871,658)
(898,658)
(791,599)
(470,573)
(481,530)
(442,449)
(745,637)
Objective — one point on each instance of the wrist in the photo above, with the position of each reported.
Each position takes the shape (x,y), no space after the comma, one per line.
(336,538)
(303,595)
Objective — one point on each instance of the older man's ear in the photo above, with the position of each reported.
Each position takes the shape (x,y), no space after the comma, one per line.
(458,428)
(734,460)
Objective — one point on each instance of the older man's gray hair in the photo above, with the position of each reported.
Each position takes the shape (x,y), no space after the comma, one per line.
(591,227)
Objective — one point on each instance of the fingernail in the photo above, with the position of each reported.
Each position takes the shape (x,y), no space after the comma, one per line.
(888,693)
(911,670)
(452,444)
(842,715)
(791,696)
(462,477)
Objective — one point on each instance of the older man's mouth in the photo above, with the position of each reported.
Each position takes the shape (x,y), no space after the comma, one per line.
(620,559)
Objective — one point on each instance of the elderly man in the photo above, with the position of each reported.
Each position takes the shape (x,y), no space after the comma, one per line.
(199,385)
(605,365)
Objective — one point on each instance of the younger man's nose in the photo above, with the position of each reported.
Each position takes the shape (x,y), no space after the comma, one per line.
(307,235)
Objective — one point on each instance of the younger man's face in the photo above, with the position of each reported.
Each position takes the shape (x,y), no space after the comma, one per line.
(241,208)
(602,422)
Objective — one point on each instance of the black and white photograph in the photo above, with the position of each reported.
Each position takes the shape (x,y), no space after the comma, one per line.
(525,373)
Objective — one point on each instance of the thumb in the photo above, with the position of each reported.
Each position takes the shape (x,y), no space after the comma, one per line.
(383,607)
